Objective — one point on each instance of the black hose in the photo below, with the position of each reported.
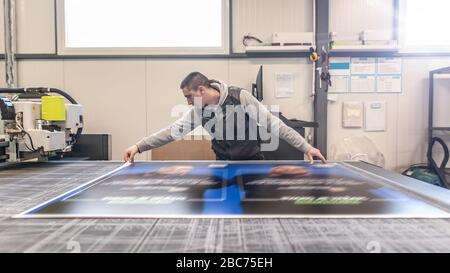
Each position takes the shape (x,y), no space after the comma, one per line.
(12,90)
(440,170)
(64,94)
(31,142)
(38,90)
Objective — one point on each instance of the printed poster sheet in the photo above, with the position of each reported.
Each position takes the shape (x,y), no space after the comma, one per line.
(206,189)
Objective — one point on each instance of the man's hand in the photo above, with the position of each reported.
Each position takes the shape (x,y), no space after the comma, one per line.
(315,152)
(129,153)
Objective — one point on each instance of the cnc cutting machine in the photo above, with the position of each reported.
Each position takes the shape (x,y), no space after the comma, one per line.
(37,123)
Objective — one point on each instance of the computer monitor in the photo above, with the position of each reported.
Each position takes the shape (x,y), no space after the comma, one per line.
(257,88)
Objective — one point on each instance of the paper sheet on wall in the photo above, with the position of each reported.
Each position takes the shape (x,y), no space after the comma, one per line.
(352,114)
(363,84)
(389,84)
(284,85)
(363,66)
(340,75)
(340,66)
(366,75)
(375,114)
(389,66)
(340,84)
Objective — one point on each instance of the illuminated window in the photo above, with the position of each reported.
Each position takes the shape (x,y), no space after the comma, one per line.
(143,26)
(424,25)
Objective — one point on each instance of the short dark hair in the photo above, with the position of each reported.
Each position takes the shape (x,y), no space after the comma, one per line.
(194,80)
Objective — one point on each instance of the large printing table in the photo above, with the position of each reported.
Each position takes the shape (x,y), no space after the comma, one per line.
(216,206)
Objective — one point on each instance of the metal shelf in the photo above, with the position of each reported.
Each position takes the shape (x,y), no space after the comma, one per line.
(440,129)
(273,49)
(445,70)
(365,48)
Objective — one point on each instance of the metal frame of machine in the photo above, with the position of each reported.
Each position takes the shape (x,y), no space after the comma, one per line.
(36,125)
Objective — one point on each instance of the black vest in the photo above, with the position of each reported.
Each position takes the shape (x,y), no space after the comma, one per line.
(248,148)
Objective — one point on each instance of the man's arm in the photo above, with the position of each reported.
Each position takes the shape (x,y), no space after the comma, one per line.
(285,132)
(176,130)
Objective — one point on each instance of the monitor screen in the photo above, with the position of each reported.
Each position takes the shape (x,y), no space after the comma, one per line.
(257,88)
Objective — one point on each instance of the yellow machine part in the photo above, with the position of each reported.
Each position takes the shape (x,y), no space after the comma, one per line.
(53,108)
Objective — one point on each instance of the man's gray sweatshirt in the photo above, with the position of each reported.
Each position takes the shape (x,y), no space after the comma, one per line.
(187,123)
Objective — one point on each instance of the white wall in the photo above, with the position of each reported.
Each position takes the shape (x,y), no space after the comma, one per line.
(33,21)
(164,77)
(300,106)
(112,94)
(405,140)
(130,98)
(261,18)
(133,98)
(350,17)
(2,29)
(413,108)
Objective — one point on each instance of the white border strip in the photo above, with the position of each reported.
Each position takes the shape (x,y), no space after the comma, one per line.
(249,216)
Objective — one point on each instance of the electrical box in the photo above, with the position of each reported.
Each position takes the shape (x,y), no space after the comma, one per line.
(375,113)
(352,114)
